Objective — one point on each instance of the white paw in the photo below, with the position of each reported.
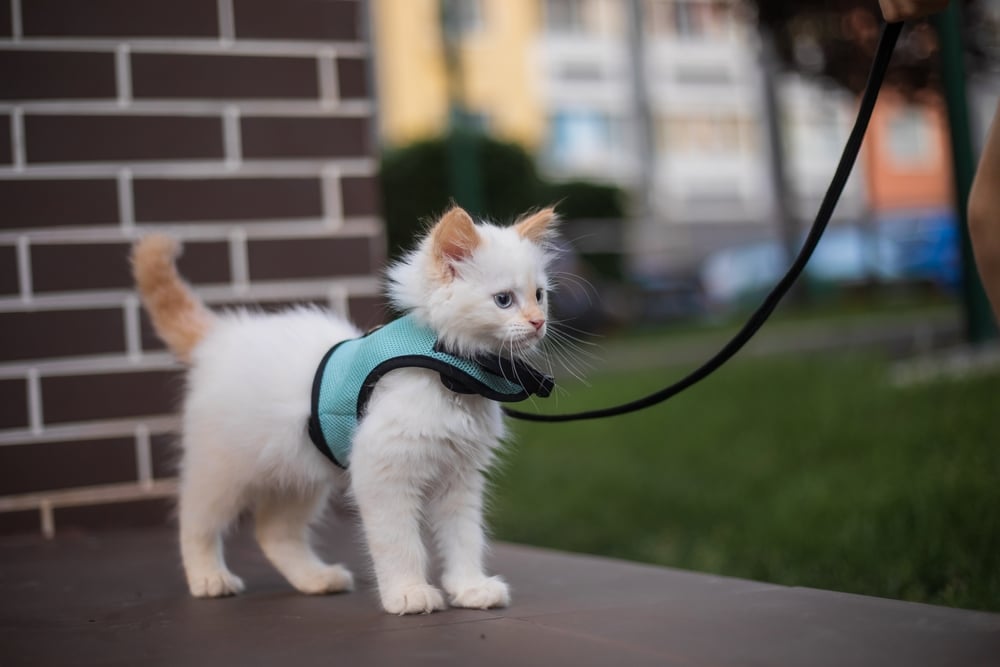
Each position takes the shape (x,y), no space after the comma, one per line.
(415,599)
(484,593)
(215,584)
(324,579)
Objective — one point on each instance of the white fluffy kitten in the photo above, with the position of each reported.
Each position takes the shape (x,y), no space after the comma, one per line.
(419,452)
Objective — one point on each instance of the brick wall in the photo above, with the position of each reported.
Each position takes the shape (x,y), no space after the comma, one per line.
(244,127)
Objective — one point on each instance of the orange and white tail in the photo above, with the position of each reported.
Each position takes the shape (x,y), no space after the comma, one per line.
(179,316)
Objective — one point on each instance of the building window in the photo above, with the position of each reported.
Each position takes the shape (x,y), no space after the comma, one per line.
(580,137)
(909,137)
(464,16)
(703,73)
(565,16)
(659,17)
(694,19)
(704,135)
(817,131)
(581,72)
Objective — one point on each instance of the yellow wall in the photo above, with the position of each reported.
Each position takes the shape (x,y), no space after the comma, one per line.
(496,61)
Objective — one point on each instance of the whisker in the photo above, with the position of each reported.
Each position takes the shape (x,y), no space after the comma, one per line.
(564,335)
(564,324)
(576,347)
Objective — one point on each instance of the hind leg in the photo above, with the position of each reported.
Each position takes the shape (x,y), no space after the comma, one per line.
(283,520)
(208,506)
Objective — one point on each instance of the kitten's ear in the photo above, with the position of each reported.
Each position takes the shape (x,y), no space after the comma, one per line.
(537,227)
(454,237)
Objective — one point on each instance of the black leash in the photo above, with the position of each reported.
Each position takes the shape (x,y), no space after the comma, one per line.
(887,41)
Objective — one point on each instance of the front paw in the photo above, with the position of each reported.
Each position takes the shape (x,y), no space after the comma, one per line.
(484,593)
(216,584)
(414,599)
(323,579)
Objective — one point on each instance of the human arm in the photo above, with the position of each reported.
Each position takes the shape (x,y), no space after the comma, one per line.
(907,10)
(984,215)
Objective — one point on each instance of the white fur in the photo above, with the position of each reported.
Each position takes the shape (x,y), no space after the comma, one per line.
(418,456)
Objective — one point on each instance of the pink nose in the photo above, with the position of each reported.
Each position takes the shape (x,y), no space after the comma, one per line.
(538,324)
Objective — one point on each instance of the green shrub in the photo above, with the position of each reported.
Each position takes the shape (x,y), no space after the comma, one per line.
(417,185)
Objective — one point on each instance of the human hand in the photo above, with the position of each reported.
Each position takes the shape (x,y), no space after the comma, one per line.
(907,10)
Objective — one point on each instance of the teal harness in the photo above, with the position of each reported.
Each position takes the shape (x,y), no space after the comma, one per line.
(349,371)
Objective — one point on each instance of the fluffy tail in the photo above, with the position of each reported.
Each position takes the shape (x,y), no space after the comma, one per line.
(179,317)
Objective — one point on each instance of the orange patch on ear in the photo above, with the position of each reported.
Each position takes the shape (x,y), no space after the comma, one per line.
(454,238)
(537,227)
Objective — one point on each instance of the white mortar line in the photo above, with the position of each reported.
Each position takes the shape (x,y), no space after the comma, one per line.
(133,329)
(282,107)
(48,520)
(17,139)
(214,294)
(239,262)
(231,137)
(329,91)
(34,401)
(126,201)
(123,75)
(16,29)
(333,206)
(197,169)
(99,365)
(203,46)
(337,299)
(206,230)
(90,495)
(227,23)
(143,457)
(24,268)
(89,430)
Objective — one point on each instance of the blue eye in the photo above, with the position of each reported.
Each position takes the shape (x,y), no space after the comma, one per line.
(503,299)
(539,294)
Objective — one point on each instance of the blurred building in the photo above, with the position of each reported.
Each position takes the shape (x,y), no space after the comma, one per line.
(497,59)
(557,77)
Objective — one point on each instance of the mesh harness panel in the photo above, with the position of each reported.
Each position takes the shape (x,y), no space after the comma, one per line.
(349,371)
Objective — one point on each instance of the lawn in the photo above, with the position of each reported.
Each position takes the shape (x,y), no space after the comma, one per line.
(809,471)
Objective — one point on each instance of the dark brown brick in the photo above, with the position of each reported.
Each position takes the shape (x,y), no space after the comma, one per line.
(150,341)
(353,76)
(83,266)
(265,137)
(205,263)
(298,19)
(5,19)
(359,195)
(20,522)
(13,403)
(33,202)
(80,266)
(114,516)
(175,75)
(368,311)
(165,455)
(74,398)
(6,145)
(9,282)
(48,75)
(47,466)
(61,333)
(119,18)
(58,138)
(309,258)
(195,200)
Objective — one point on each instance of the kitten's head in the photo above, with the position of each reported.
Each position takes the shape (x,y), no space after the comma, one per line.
(481,288)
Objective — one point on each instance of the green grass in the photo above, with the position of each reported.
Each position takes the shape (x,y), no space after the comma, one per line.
(799,471)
